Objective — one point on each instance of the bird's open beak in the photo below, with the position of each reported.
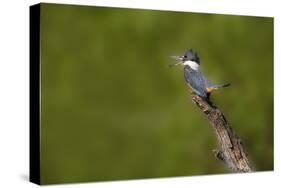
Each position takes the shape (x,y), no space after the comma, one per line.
(179,58)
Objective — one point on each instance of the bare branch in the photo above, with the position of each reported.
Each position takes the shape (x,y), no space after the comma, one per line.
(231,149)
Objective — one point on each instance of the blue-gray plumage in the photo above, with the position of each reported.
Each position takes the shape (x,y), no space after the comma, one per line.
(196,80)
(194,77)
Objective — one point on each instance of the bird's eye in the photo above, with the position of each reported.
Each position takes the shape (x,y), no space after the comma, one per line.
(184,56)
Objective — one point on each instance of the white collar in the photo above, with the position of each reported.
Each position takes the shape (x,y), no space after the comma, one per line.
(192,64)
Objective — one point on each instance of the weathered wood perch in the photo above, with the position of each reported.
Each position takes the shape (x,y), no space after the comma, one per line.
(231,151)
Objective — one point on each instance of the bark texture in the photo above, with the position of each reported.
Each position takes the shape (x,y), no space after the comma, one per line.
(231,151)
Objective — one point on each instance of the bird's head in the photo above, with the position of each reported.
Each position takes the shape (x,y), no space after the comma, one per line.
(190,58)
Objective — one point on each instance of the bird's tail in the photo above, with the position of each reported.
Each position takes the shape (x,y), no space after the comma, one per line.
(223,85)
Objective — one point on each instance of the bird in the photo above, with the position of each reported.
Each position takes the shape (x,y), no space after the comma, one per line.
(196,80)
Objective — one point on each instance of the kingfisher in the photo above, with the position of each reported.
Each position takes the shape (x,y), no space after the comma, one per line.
(194,77)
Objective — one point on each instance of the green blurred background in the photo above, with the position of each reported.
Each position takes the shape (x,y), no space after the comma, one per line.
(112,108)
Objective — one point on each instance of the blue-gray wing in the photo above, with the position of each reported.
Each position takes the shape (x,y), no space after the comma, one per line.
(197,81)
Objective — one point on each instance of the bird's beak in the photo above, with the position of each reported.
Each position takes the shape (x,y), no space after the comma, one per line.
(179,58)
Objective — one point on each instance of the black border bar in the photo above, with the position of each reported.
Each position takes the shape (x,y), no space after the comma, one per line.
(34,89)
